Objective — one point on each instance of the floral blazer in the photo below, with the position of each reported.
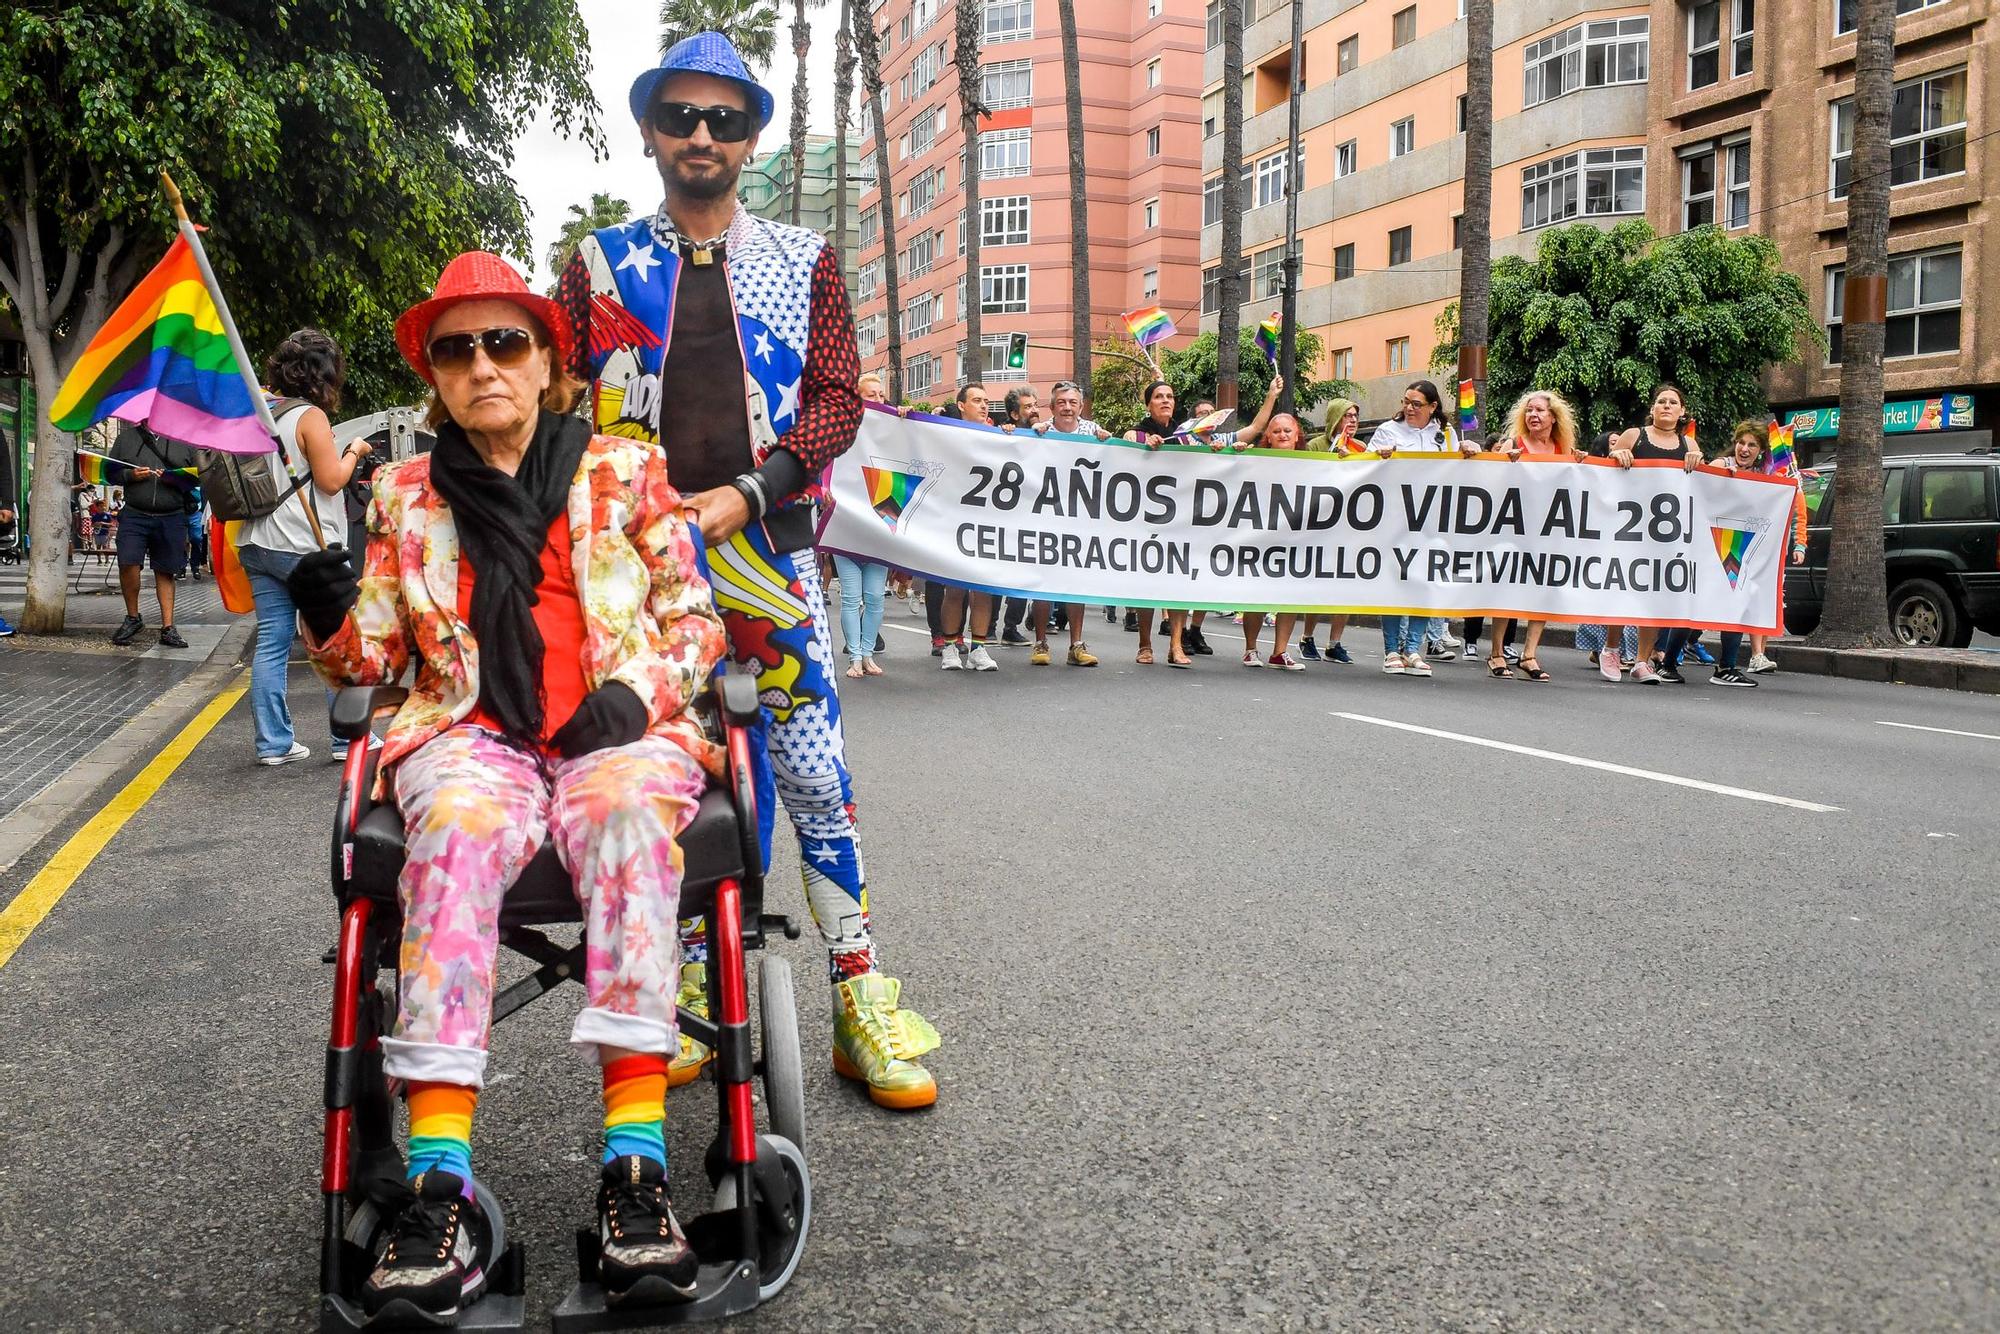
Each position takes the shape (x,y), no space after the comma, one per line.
(649,619)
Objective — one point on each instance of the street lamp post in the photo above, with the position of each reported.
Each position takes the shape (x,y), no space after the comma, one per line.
(1288,338)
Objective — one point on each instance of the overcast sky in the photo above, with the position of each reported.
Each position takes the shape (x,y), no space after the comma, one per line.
(554,172)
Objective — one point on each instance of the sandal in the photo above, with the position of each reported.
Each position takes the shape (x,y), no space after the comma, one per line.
(1145,658)
(1183,661)
(1501,673)
(1531,670)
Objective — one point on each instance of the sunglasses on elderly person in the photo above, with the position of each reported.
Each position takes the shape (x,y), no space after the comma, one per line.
(677,120)
(505,348)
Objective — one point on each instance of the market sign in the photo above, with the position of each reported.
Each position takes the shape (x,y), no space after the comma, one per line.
(1947,412)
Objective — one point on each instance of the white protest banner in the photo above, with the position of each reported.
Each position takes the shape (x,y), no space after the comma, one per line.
(1069,519)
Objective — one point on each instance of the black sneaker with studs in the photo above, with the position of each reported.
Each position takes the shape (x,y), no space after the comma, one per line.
(433,1262)
(643,1258)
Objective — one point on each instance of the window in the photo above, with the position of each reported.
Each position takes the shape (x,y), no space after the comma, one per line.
(1953,495)
(1594,182)
(1846,13)
(1211,114)
(1150,214)
(870,226)
(1211,201)
(1011,83)
(1924,300)
(1272,179)
(1742,37)
(1009,20)
(1211,287)
(1003,289)
(866,332)
(920,375)
(1403,137)
(1458,231)
(1463,102)
(1926,132)
(1152,74)
(1736,184)
(1267,273)
(1003,153)
(867,278)
(1343,261)
(1347,55)
(1214,23)
(924,72)
(1003,221)
(1698,189)
(1403,27)
(992,361)
(917,260)
(1589,55)
(1344,159)
(923,13)
(1153,142)
(1704,44)
(1149,285)
(924,131)
(922,194)
(1399,246)
(1398,355)
(1715,185)
(1342,365)
(918,315)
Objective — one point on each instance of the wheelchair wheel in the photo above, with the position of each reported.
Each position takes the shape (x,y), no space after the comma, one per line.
(784,1071)
(781,1234)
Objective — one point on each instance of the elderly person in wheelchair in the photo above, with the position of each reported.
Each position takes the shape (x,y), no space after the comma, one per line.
(546,586)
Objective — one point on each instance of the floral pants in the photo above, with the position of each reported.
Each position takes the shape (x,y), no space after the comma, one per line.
(477,811)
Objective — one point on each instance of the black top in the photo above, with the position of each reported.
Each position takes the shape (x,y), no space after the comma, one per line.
(142,449)
(1644,448)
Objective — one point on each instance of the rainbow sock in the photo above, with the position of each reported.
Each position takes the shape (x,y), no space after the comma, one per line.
(635,1107)
(441,1129)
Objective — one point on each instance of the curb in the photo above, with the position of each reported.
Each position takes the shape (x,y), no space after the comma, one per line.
(52,807)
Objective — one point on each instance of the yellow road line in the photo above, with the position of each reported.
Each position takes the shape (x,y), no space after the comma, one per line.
(42,893)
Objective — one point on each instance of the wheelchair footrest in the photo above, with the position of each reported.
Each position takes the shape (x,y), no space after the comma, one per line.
(723,1290)
(494,1311)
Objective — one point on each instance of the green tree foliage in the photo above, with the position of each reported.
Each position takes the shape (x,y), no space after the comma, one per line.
(751,24)
(1117,385)
(604,211)
(1603,316)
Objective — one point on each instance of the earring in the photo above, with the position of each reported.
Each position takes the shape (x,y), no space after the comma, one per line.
(649,150)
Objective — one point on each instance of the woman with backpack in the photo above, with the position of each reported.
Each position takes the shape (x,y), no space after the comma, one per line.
(307,372)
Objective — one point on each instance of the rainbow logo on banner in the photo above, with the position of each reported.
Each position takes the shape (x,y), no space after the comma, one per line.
(1149,325)
(1733,540)
(1269,333)
(895,489)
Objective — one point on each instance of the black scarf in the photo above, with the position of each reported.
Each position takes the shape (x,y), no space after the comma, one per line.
(503,524)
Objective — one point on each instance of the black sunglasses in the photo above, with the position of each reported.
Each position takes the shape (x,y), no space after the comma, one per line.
(505,348)
(677,120)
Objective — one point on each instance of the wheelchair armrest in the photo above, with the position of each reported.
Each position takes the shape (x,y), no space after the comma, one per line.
(355,707)
(739,699)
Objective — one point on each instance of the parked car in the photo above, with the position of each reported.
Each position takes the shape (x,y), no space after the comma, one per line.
(1941,538)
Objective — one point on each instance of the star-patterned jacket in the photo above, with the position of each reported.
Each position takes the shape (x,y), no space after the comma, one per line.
(649,618)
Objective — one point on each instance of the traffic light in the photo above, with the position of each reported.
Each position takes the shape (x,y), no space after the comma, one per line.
(1017,351)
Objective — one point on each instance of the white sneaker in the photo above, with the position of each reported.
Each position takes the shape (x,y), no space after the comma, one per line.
(1451,641)
(292,756)
(1286,662)
(979,660)
(949,660)
(1392,664)
(1759,664)
(1250,659)
(1414,665)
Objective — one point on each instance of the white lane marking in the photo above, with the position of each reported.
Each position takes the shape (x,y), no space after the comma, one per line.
(1948,731)
(906,629)
(1675,779)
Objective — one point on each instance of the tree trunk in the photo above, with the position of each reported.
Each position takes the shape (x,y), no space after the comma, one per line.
(1475,273)
(966,58)
(47,520)
(1079,204)
(1229,283)
(801,44)
(1856,612)
(843,100)
(870,52)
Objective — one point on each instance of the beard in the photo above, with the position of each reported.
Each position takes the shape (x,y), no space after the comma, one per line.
(701,178)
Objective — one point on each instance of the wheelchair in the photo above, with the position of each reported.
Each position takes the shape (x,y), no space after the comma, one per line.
(752,1239)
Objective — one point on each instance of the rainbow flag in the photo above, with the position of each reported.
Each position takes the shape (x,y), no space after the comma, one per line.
(163,359)
(891,491)
(1782,460)
(99,470)
(1468,408)
(1732,544)
(1149,325)
(1269,333)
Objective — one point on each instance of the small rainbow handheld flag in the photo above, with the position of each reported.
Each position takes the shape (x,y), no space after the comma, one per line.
(164,359)
(99,470)
(1468,408)
(1269,333)
(1781,461)
(1149,325)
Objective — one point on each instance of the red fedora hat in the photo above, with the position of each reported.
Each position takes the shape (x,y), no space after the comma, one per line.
(477,275)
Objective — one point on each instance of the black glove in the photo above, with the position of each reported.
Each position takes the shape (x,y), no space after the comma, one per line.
(323,587)
(610,715)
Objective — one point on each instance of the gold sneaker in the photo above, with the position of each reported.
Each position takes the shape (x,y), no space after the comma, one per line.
(1040,657)
(693,995)
(1081,656)
(878,1043)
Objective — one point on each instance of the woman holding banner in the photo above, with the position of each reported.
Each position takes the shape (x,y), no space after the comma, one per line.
(862,583)
(1154,430)
(1342,439)
(1418,428)
(1666,436)
(1541,425)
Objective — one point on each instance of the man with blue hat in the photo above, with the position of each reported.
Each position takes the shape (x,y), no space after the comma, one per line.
(728,339)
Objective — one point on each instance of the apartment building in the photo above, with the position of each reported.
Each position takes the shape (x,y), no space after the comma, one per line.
(1141,76)
(1754,132)
(1381,162)
(766,188)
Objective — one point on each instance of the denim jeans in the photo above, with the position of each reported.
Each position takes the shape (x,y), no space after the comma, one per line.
(861,589)
(277,623)
(1403,634)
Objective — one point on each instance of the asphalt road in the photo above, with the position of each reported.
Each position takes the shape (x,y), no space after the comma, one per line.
(1255,1015)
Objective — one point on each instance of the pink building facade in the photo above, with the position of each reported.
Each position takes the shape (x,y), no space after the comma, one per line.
(1141,66)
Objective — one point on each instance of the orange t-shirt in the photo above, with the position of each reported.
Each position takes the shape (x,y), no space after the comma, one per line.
(558,615)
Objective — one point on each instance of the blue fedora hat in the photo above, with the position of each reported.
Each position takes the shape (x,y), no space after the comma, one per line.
(703,53)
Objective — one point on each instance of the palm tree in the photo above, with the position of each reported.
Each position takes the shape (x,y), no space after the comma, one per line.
(1475,272)
(1229,283)
(843,102)
(751,24)
(870,52)
(801,45)
(1857,596)
(604,211)
(1079,207)
(970,26)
